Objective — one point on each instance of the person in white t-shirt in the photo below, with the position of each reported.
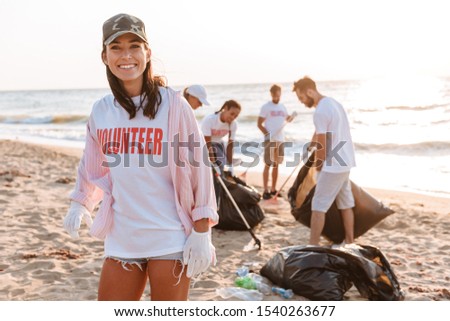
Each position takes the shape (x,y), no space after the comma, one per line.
(335,157)
(271,120)
(220,126)
(155,214)
(196,96)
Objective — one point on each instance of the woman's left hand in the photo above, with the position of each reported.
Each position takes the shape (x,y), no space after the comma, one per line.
(198,253)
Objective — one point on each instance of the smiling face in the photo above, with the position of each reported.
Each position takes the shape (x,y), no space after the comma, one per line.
(127,57)
(229,114)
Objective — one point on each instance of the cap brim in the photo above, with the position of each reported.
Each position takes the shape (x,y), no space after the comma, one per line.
(204,101)
(120,33)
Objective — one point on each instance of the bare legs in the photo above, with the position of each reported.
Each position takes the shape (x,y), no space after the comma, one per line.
(272,156)
(318,222)
(266,177)
(163,276)
(274,177)
(348,220)
(119,284)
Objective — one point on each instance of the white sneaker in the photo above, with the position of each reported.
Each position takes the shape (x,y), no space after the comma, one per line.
(340,246)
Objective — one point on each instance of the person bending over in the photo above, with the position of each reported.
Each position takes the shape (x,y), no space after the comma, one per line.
(335,157)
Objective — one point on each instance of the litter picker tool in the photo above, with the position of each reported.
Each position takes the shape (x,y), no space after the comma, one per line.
(274,198)
(243,175)
(257,241)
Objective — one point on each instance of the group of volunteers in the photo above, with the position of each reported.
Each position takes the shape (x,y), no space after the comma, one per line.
(221,124)
(156,221)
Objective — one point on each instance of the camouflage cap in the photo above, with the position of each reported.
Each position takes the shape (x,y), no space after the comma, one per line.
(121,24)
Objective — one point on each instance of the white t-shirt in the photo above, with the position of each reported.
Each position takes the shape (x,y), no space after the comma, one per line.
(330,117)
(146,222)
(214,127)
(275,115)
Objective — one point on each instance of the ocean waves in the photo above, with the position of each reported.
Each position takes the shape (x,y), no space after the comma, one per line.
(54,119)
(417,108)
(427,148)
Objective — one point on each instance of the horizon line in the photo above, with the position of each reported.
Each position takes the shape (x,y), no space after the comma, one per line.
(215,84)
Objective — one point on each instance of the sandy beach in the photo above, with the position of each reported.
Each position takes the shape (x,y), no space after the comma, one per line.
(40,261)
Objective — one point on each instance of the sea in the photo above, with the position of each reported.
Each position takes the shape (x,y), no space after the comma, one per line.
(400,125)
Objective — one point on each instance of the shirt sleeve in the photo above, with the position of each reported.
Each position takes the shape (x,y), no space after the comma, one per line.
(263,112)
(85,192)
(201,181)
(206,126)
(321,121)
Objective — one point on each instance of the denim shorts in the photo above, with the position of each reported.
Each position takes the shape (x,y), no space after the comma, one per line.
(178,256)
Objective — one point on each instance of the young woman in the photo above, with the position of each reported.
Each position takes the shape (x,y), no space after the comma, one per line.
(217,126)
(196,96)
(157,207)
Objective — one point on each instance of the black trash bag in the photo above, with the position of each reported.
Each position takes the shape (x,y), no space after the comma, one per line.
(366,267)
(372,274)
(320,273)
(247,199)
(368,211)
(274,268)
(316,275)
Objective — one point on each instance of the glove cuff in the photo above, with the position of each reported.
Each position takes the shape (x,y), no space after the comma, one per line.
(79,206)
(194,232)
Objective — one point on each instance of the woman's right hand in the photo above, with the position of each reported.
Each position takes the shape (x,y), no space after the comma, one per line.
(74,216)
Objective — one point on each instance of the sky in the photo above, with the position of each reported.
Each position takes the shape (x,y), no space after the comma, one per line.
(49,44)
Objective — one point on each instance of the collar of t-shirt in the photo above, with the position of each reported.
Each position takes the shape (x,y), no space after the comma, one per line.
(136,101)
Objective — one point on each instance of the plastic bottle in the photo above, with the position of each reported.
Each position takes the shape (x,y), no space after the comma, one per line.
(285,293)
(263,288)
(243,271)
(240,293)
(262,284)
(245,282)
(256,277)
(253,282)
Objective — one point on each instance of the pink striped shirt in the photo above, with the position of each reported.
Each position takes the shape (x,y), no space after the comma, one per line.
(192,178)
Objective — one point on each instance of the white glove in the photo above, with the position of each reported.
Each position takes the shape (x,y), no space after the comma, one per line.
(229,169)
(72,221)
(198,253)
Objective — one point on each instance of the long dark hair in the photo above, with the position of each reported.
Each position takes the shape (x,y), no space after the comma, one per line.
(229,104)
(149,93)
